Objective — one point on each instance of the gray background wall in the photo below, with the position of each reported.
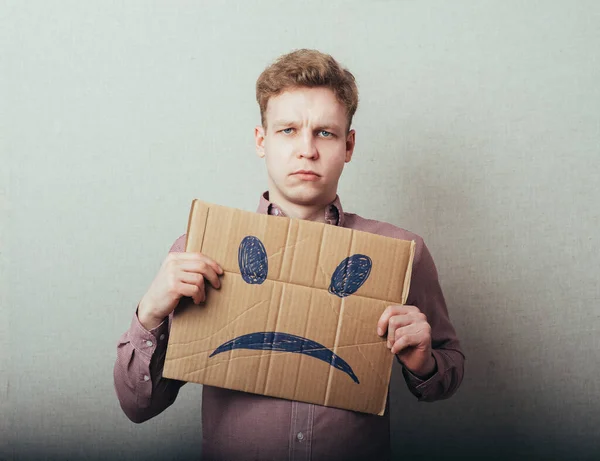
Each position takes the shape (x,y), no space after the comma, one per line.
(478,128)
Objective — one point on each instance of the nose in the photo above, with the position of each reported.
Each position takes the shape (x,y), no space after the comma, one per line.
(307,148)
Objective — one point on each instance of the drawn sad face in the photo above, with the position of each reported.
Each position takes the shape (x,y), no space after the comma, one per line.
(347,278)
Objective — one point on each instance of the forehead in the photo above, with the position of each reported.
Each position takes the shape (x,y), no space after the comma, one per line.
(318,104)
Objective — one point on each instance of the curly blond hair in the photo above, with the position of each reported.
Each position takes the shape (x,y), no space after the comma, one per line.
(307,68)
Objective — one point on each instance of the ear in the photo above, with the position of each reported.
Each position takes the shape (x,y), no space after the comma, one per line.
(259,140)
(350,142)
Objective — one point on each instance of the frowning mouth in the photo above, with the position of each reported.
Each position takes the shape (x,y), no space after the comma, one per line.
(284,342)
(306,175)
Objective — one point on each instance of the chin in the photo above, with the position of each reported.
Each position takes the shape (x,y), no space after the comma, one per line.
(307,196)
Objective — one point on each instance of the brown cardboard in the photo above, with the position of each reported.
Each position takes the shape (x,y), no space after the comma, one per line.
(302,257)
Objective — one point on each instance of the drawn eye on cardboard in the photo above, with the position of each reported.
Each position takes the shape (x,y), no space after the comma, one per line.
(296,314)
(347,278)
(253,261)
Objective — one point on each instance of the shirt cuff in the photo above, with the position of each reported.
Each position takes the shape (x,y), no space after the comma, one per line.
(146,341)
(419,387)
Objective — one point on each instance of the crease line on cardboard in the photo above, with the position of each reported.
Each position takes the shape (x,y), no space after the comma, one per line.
(265,353)
(304,335)
(318,265)
(339,323)
(335,349)
(293,254)
(317,288)
(205,338)
(229,352)
(407,278)
(282,249)
(387,391)
(381,378)
(268,375)
(333,299)
(285,246)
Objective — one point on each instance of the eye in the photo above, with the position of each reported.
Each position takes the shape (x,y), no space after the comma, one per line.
(325,134)
(287,130)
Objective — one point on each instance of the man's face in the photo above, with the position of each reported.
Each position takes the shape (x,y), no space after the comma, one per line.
(305,146)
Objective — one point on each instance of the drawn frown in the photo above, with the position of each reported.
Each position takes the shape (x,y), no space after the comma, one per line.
(347,278)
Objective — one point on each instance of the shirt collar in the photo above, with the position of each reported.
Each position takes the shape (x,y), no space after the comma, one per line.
(334,214)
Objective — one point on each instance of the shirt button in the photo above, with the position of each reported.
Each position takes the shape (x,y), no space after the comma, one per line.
(149,343)
(162,337)
(300,436)
(146,378)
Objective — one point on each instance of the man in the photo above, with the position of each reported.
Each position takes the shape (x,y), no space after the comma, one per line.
(307,101)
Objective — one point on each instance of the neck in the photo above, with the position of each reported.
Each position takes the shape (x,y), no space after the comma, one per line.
(314,212)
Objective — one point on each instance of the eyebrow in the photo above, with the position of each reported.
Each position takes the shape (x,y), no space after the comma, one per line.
(283,122)
(324,126)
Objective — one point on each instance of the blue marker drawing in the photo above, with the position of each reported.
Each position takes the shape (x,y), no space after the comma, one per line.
(347,278)
(252,259)
(285,342)
(350,274)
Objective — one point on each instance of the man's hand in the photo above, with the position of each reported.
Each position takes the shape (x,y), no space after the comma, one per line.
(408,336)
(181,274)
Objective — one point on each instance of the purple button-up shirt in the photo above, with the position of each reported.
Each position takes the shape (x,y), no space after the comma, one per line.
(242,426)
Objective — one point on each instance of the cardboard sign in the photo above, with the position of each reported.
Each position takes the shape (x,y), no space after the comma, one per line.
(296,315)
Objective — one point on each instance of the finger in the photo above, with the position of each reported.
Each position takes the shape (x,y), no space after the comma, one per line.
(418,334)
(408,309)
(404,342)
(390,311)
(195,292)
(199,271)
(210,275)
(200,296)
(395,322)
(383,322)
(191,278)
(189,259)
(212,263)
(410,329)
(199,265)
(406,316)
(203,269)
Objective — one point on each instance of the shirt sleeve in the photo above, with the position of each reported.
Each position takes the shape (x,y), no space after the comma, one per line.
(141,389)
(426,294)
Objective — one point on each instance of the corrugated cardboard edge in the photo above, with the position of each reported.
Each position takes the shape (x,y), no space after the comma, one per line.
(408,276)
(190,231)
(405,290)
